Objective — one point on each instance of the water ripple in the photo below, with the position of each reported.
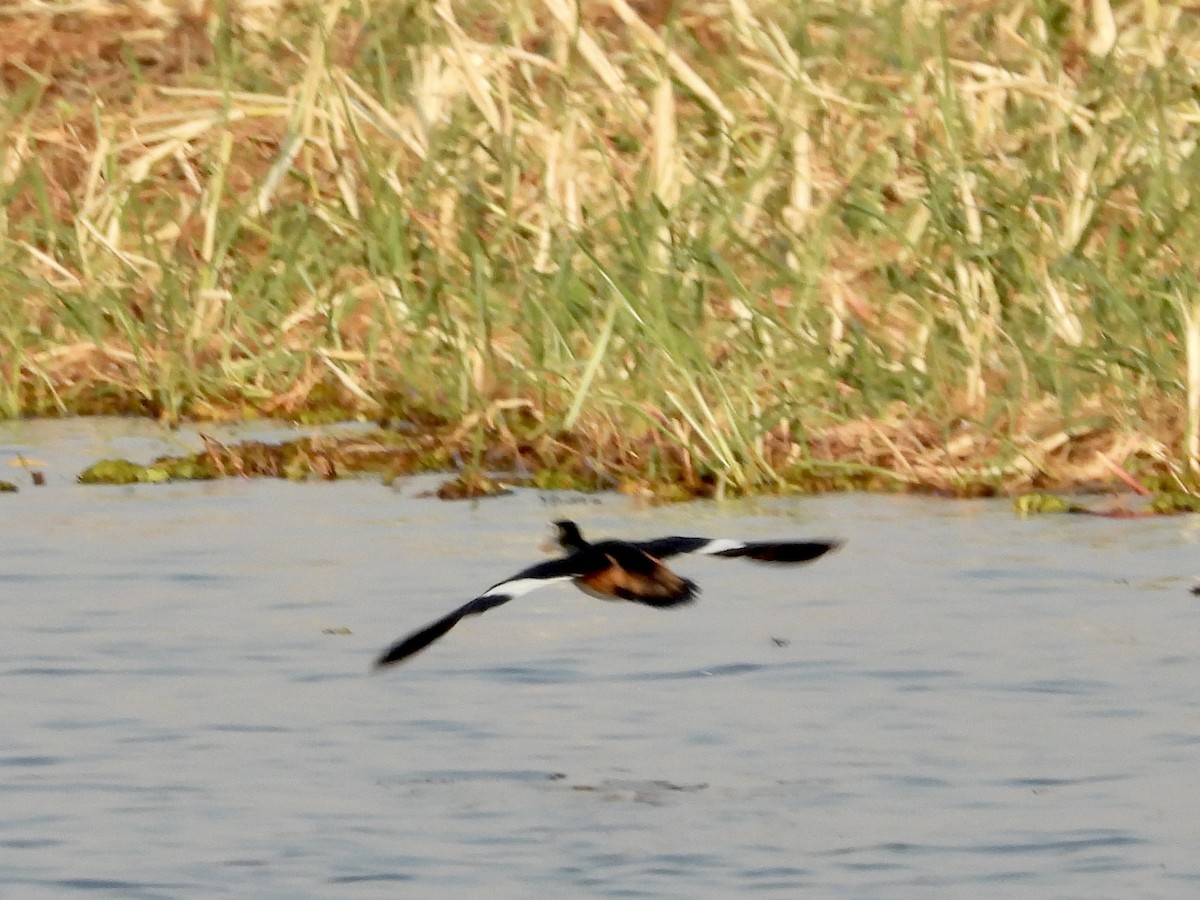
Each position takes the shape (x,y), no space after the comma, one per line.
(383,877)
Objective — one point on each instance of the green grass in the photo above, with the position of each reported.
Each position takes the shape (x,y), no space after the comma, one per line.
(747,247)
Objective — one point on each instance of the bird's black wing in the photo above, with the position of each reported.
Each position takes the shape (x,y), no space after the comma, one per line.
(763,551)
(523,582)
(419,640)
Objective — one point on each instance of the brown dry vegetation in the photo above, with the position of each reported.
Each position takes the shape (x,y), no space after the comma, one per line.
(730,245)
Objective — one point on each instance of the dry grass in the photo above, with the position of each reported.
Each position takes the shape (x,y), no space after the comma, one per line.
(929,243)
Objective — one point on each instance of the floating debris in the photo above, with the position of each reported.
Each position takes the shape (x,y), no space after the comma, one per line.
(36,476)
(471,486)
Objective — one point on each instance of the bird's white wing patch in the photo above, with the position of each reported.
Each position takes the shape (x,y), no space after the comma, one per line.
(720,545)
(519,586)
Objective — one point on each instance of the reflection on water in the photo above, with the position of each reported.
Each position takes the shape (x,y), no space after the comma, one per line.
(959,703)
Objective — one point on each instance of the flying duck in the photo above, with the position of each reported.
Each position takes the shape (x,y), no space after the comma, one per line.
(610,570)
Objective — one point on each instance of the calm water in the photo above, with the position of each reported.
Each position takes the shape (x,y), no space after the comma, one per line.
(958,704)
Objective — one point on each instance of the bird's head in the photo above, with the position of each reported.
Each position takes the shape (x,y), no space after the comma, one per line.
(567,536)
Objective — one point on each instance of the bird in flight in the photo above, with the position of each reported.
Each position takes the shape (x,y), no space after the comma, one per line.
(610,570)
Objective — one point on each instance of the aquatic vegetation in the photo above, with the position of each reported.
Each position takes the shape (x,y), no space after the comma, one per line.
(122,471)
(1160,504)
(1040,504)
(1175,502)
(679,250)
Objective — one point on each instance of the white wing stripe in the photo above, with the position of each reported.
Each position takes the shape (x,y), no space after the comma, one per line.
(519,586)
(720,545)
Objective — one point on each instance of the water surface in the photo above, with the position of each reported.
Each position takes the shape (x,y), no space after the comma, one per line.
(959,703)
